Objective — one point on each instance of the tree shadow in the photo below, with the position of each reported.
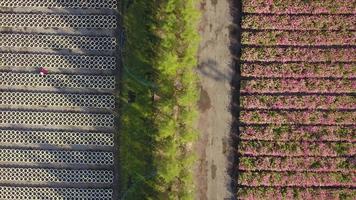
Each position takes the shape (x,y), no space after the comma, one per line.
(210,69)
(235,49)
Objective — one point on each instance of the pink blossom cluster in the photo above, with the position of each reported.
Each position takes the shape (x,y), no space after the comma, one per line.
(299,133)
(296,54)
(298,70)
(324,164)
(306,179)
(309,38)
(303,148)
(291,85)
(299,22)
(300,7)
(298,117)
(263,193)
(298,102)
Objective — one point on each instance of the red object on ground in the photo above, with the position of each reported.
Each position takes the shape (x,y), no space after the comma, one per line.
(43,71)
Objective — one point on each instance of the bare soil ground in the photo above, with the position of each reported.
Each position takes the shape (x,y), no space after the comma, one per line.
(211,173)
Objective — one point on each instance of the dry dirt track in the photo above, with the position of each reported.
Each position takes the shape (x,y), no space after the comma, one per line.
(212,178)
(57,132)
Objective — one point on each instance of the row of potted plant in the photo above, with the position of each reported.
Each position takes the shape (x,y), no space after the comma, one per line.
(309,102)
(300,179)
(297,54)
(299,7)
(282,193)
(298,133)
(292,85)
(272,163)
(297,38)
(298,117)
(299,22)
(298,70)
(296,148)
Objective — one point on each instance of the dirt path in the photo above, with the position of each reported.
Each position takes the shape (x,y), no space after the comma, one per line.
(212,179)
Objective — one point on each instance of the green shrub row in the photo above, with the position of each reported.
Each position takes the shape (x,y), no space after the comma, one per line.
(158,99)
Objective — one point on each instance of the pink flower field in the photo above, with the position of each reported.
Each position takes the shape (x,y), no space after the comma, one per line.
(297,119)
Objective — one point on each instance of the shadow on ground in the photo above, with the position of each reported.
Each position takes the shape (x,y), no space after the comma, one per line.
(235,48)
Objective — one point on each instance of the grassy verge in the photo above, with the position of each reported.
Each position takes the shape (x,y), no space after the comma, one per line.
(158,99)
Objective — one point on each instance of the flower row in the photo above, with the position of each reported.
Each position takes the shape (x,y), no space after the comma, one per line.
(297,38)
(277,193)
(296,54)
(299,133)
(291,85)
(296,164)
(295,7)
(292,149)
(299,22)
(298,117)
(301,179)
(300,70)
(298,102)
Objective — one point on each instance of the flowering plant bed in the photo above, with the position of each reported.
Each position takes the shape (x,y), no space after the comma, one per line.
(297,104)
(299,7)
(299,70)
(299,22)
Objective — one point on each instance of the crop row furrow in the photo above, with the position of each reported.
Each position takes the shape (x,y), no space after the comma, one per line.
(14,156)
(49,61)
(85,4)
(56,119)
(296,54)
(262,193)
(306,179)
(57,80)
(58,138)
(97,43)
(298,117)
(300,7)
(298,102)
(296,38)
(270,163)
(299,133)
(58,21)
(298,70)
(308,85)
(40,193)
(299,22)
(57,100)
(296,148)
(42,175)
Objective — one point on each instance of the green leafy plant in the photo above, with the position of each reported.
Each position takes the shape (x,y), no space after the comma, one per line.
(157,126)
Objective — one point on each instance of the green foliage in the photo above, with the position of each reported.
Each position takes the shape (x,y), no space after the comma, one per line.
(296,194)
(341,148)
(278,131)
(345,196)
(248,162)
(343,132)
(345,164)
(315,165)
(343,177)
(157,128)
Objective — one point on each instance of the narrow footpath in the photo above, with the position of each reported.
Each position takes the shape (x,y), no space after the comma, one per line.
(213,181)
